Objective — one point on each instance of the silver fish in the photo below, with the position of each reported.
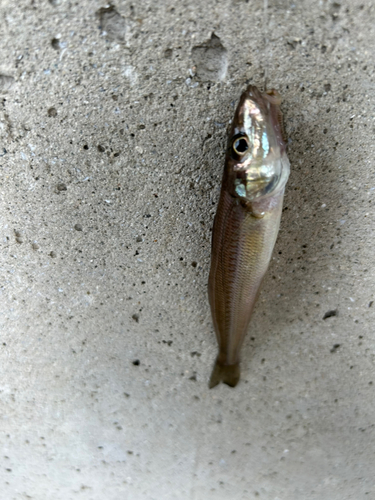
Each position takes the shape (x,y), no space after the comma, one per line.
(246,223)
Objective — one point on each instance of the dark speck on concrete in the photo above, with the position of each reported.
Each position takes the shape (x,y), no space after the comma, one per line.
(335,347)
(61,186)
(331,313)
(55,42)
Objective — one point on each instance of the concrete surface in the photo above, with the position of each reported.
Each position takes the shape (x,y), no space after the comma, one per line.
(113,129)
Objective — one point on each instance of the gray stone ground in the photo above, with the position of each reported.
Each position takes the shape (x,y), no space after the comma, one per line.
(113,130)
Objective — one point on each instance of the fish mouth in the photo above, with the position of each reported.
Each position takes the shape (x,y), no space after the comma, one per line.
(272,96)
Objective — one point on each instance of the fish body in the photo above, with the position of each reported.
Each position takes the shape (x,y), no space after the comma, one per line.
(246,223)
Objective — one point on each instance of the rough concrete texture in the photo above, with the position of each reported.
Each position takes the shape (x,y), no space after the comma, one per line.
(113,131)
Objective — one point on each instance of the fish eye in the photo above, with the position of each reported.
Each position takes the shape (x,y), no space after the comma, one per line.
(240,145)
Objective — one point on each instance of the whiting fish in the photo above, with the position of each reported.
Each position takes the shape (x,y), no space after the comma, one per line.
(246,223)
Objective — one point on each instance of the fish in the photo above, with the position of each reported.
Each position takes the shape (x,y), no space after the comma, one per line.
(246,223)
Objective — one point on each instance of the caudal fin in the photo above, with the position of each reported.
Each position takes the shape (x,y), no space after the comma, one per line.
(229,374)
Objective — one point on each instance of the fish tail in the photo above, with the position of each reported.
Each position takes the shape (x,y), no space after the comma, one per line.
(228,374)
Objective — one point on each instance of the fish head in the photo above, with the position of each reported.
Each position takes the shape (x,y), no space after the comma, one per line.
(256,160)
